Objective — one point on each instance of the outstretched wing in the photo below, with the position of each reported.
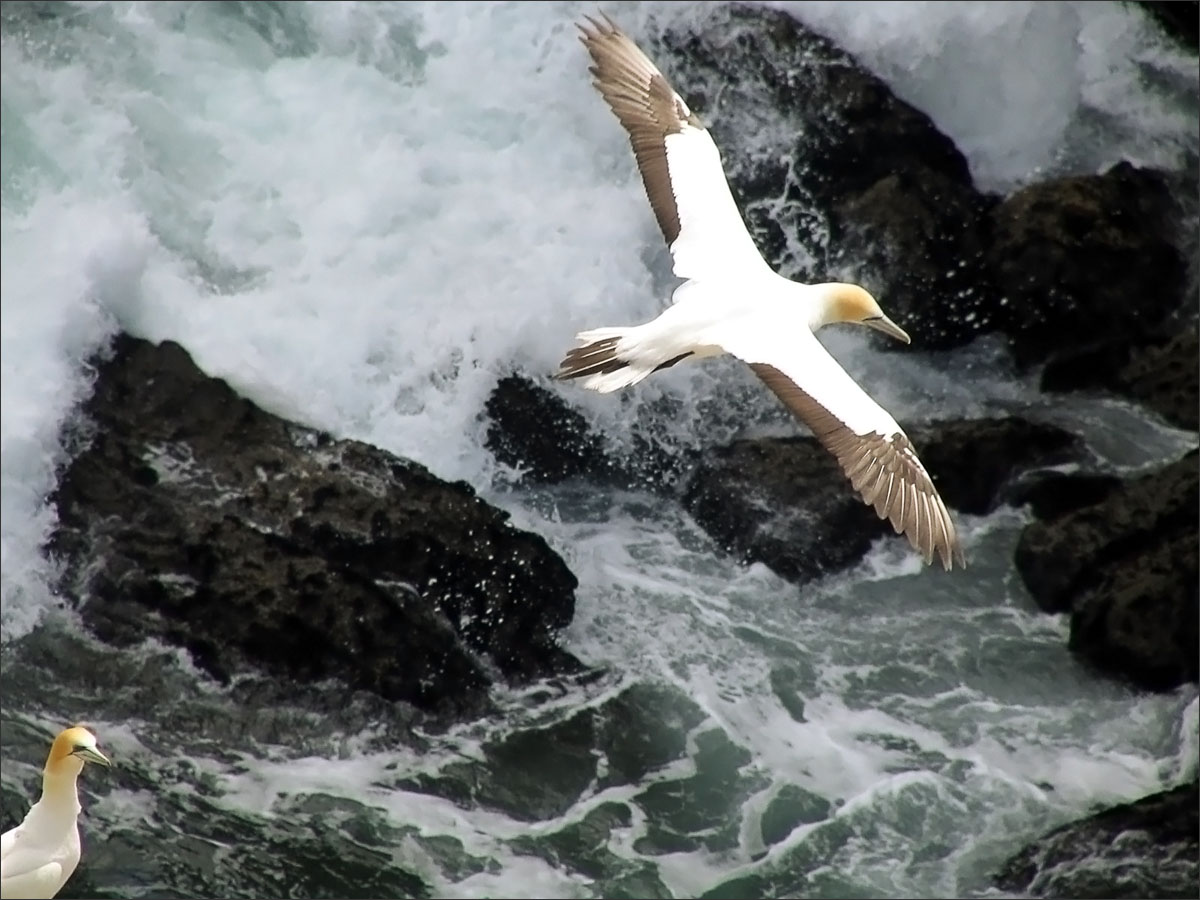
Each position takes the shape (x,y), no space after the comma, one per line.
(873,451)
(679,163)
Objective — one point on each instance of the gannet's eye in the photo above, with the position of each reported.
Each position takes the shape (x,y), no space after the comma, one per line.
(79,747)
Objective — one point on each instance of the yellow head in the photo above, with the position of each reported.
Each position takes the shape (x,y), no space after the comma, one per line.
(71,749)
(850,303)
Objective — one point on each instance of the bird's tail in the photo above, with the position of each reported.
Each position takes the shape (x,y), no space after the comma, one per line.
(612,358)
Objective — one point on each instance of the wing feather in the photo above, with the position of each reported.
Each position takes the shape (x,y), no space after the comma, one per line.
(874,452)
(679,163)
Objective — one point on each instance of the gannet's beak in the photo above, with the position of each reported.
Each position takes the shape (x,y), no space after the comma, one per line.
(88,754)
(888,327)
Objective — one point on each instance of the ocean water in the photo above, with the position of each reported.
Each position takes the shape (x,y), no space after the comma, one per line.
(362,215)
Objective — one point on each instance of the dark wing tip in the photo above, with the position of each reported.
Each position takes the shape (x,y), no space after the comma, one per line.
(912,503)
(598,28)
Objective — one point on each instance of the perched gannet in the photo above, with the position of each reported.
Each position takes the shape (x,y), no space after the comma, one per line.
(732,302)
(39,855)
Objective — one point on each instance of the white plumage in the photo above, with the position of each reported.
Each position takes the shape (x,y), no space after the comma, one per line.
(732,302)
(39,855)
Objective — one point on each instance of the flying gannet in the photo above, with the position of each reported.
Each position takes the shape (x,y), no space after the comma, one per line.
(39,855)
(732,302)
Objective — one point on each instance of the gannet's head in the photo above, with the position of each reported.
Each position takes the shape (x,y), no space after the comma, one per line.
(72,748)
(850,303)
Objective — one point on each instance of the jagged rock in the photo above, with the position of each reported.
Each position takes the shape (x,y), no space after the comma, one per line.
(195,517)
(1126,570)
(1147,848)
(786,503)
(537,432)
(852,182)
(1083,259)
(1161,372)
(849,180)
(1179,18)
(1058,493)
(918,236)
(534,430)
(981,463)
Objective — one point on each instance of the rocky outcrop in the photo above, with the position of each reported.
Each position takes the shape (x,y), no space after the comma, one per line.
(195,517)
(1125,569)
(1160,372)
(851,182)
(1082,259)
(1179,18)
(821,198)
(534,431)
(1147,848)
(537,433)
(784,501)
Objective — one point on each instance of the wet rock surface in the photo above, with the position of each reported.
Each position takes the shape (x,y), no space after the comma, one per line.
(195,517)
(822,200)
(1080,259)
(1179,18)
(533,429)
(1147,848)
(786,503)
(1125,569)
(1160,372)
(1057,264)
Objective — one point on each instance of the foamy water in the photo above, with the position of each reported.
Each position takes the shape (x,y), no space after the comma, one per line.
(362,215)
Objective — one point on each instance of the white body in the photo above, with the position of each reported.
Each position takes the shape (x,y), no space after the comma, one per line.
(757,316)
(39,855)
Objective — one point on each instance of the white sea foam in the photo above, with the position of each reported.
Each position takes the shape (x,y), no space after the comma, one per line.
(253,206)
(366,237)
(1016,84)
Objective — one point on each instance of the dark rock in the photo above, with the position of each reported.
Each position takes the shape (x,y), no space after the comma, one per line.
(1161,372)
(978,464)
(1126,570)
(195,517)
(1179,18)
(1085,259)
(536,431)
(1056,493)
(917,236)
(1147,848)
(838,113)
(852,183)
(783,502)
(533,429)
(817,176)
(786,503)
